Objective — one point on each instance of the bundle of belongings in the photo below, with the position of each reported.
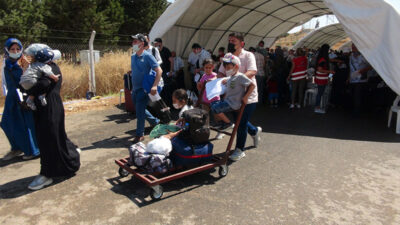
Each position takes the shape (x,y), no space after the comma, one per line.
(152,158)
(187,147)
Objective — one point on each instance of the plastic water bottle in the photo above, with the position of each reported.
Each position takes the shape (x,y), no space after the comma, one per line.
(186,127)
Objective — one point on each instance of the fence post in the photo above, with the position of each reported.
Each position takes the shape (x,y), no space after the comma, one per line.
(92,77)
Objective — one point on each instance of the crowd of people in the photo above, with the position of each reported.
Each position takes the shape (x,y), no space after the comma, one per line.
(259,75)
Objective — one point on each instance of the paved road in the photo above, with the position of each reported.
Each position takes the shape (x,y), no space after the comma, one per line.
(309,169)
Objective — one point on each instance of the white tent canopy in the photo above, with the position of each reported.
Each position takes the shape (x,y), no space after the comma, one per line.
(373,25)
(330,35)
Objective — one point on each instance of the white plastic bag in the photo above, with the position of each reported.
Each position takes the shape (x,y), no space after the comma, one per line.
(160,146)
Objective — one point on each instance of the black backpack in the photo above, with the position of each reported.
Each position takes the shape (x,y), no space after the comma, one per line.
(198,130)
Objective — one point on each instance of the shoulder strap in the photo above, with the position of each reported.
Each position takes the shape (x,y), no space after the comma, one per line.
(153,50)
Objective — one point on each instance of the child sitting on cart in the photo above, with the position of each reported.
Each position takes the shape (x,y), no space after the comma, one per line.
(180,100)
(236,93)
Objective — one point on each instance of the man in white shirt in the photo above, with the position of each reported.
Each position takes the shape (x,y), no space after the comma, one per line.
(153,51)
(195,60)
(359,68)
(176,70)
(248,67)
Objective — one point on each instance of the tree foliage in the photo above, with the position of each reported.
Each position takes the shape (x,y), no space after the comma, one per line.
(73,20)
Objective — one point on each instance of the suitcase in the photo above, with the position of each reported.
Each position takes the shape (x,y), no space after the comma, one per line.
(160,110)
(129,104)
(185,154)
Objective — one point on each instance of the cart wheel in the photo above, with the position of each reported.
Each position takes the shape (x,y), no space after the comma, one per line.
(123,172)
(223,170)
(156,192)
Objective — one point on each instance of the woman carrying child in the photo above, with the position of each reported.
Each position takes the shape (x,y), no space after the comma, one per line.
(17,124)
(59,156)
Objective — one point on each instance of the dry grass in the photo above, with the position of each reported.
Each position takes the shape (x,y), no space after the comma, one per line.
(109,76)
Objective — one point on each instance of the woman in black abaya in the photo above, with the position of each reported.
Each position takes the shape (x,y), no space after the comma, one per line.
(59,156)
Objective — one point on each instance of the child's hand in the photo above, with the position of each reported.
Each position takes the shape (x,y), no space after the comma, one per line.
(224,81)
(55,77)
(179,122)
(25,61)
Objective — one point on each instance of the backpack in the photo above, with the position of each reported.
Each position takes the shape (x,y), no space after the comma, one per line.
(197,130)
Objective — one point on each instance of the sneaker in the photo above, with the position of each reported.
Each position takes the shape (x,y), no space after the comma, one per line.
(12,154)
(256,138)
(226,126)
(43,100)
(28,157)
(317,110)
(31,104)
(40,182)
(237,155)
(321,111)
(291,106)
(220,136)
(298,106)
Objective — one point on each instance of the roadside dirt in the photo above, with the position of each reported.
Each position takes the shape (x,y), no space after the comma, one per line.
(83,105)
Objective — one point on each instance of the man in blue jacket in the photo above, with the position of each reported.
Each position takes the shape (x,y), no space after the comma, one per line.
(142,63)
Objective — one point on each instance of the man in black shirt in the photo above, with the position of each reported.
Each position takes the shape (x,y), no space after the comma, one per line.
(165,55)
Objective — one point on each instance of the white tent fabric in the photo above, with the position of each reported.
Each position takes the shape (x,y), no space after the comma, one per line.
(371,24)
(209,22)
(346,45)
(330,35)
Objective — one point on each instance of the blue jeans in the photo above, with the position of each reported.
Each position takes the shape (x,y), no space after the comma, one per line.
(222,106)
(321,90)
(140,98)
(245,126)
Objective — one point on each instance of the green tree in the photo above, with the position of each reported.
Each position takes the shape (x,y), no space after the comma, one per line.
(140,15)
(77,18)
(22,19)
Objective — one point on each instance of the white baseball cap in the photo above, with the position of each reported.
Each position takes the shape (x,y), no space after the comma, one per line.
(230,58)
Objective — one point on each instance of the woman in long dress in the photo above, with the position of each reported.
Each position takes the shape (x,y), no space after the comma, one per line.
(17,124)
(59,156)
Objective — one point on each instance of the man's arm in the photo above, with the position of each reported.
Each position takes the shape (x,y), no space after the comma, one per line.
(156,81)
(248,92)
(251,73)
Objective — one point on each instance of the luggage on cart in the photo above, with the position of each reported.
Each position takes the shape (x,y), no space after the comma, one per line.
(129,104)
(197,130)
(160,110)
(139,157)
(185,154)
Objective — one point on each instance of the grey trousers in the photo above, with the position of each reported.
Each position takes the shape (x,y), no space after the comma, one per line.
(298,87)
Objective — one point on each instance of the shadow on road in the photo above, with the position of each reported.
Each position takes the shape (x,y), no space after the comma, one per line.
(336,124)
(139,193)
(18,188)
(116,142)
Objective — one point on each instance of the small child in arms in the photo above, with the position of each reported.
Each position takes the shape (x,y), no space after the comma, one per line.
(39,73)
